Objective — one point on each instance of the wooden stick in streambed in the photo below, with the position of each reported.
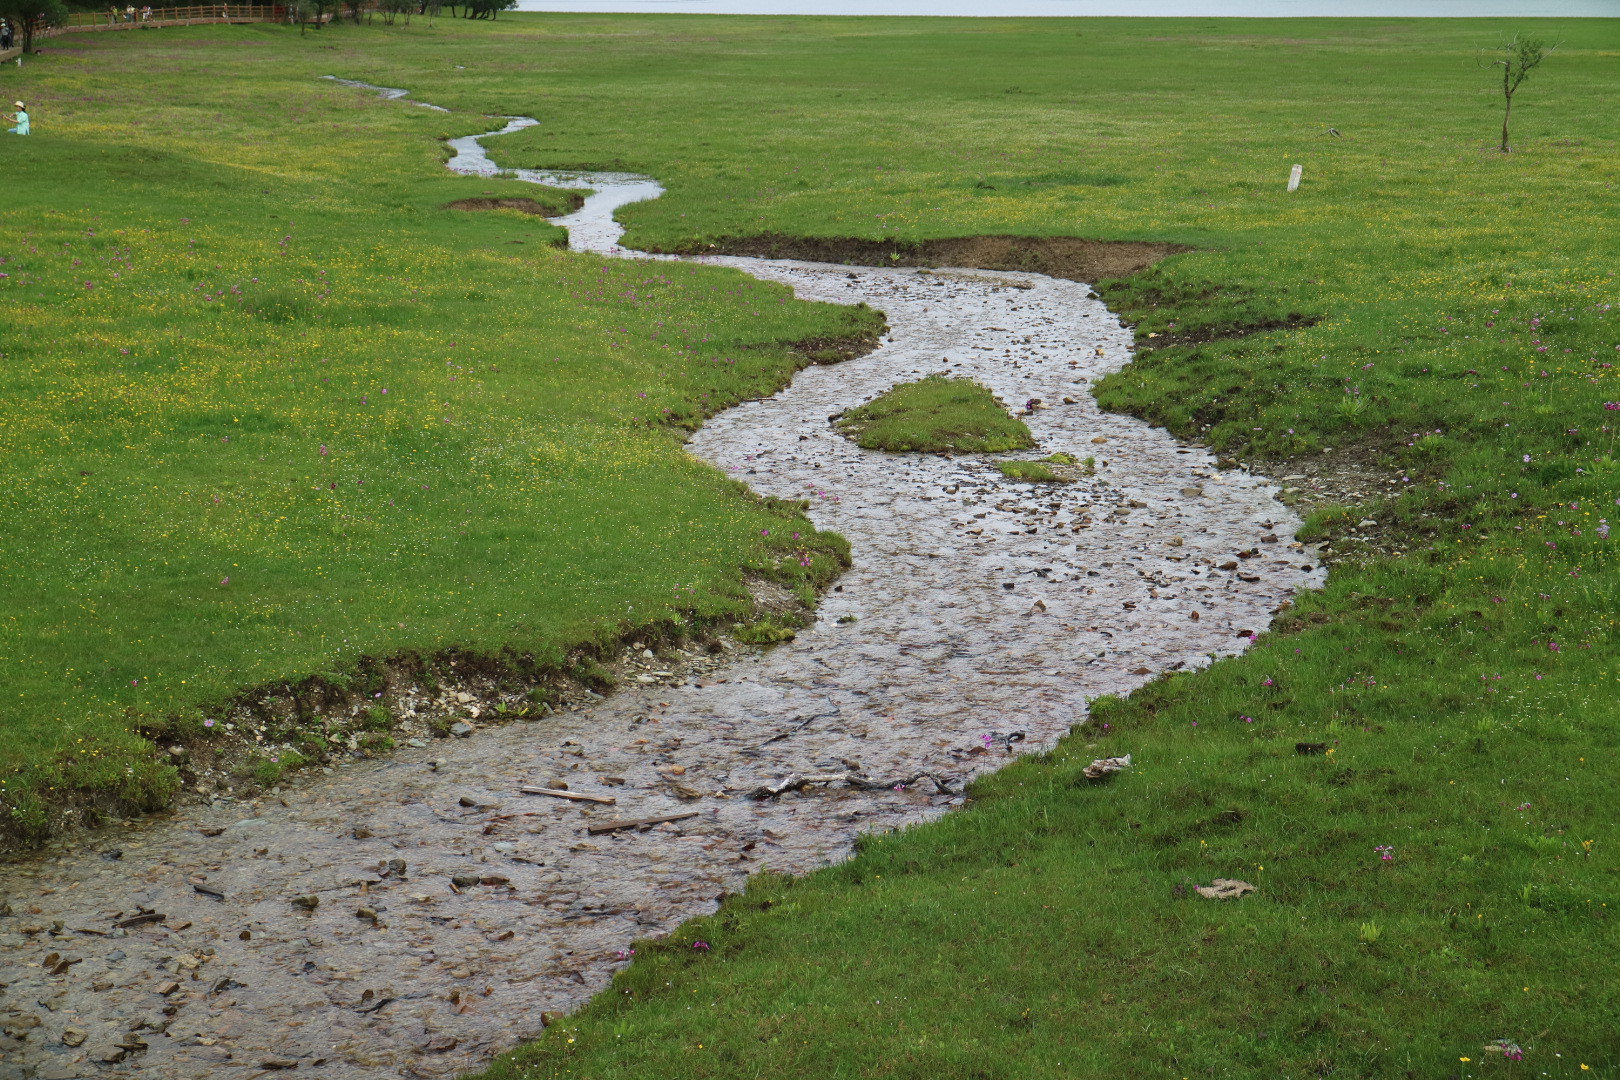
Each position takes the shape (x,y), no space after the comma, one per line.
(577,796)
(636,823)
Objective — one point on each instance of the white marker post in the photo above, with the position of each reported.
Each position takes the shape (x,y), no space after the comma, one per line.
(1293,177)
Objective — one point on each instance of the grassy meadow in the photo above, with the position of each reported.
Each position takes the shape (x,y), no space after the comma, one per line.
(268,409)
(1437,881)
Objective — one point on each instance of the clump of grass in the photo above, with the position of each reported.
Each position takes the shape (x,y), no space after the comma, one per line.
(277,305)
(269,770)
(936,414)
(1041,471)
(1034,471)
(765,632)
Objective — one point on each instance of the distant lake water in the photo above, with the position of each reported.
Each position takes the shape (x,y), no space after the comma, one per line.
(1254,9)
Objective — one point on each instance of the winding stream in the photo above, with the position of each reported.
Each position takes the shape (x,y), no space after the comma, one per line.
(979,606)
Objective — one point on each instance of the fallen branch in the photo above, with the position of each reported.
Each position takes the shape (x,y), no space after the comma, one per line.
(139,920)
(803,722)
(577,796)
(637,823)
(795,782)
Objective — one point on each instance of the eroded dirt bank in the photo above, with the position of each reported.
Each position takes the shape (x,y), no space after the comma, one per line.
(413,916)
(1055,256)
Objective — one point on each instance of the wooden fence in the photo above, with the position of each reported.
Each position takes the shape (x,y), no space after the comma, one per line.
(120,18)
(123,17)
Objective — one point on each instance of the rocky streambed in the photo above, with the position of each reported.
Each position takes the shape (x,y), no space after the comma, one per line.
(415,915)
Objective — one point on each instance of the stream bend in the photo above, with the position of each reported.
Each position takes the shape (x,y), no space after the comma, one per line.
(977,606)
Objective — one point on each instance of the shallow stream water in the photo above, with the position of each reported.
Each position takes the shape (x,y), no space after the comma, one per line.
(978,608)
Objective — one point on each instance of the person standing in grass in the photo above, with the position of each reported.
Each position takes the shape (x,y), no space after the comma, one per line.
(20,118)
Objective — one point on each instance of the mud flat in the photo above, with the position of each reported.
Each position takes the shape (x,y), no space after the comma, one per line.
(451,910)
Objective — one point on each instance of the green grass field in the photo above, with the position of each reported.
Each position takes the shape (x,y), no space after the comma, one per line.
(1438,312)
(269,409)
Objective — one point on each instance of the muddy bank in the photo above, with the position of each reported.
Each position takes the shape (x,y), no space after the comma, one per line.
(522,206)
(1054,256)
(265,737)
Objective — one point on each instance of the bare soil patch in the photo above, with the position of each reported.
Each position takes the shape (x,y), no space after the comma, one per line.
(522,206)
(1215,333)
(1055,256)
(836,350)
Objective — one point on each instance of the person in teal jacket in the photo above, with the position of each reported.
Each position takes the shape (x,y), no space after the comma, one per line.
(20,118)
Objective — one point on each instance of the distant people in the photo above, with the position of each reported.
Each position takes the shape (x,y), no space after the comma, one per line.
(19,118)
(5,36)
(146,13)
(129,13)
(112,16)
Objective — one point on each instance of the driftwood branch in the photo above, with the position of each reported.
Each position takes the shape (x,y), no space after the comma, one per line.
(637,823)
(797,782)
(139,920)
(577,796)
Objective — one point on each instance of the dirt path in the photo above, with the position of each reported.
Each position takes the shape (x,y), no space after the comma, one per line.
(977,607)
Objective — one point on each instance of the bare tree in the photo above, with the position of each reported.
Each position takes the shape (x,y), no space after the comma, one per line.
(1518,57)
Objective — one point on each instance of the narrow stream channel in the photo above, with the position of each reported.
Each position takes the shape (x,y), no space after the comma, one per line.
(978,608)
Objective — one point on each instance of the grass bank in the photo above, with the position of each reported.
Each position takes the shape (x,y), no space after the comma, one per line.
(271,409)
(1431,312)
